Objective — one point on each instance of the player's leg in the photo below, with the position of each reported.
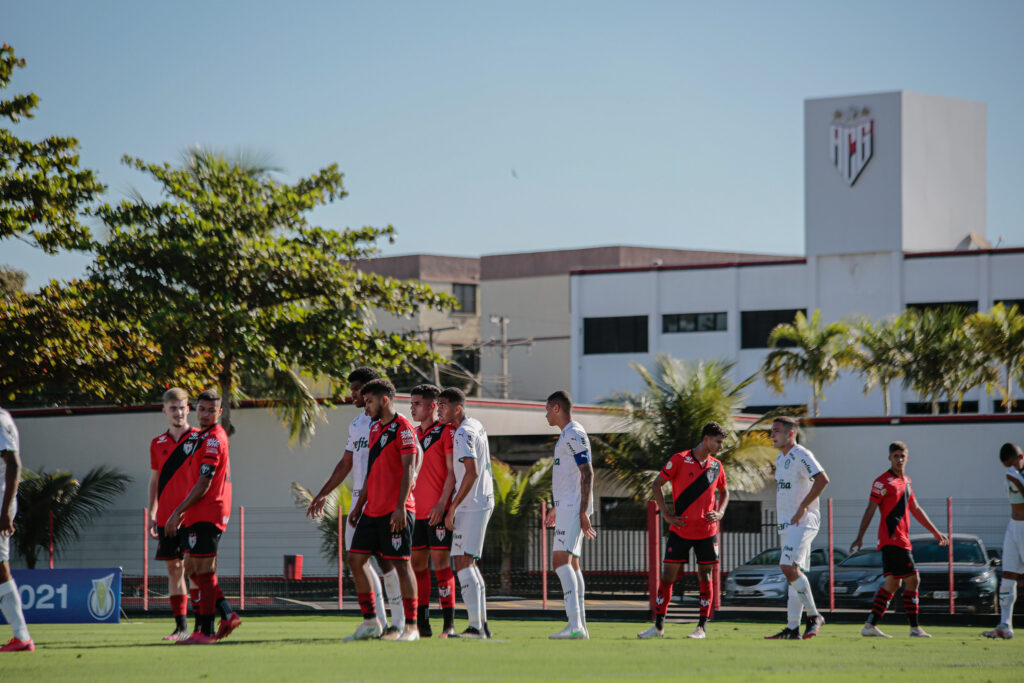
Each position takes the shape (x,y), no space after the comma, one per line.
(574,560)
(229,619)
(706,552)
(421,568)
(393,588)
(791,540)
(396,554)
(441,559)
(567,543)
(673,562)
(911,604)
(10,604)
(801,539)
(177,592)
(463,542)
(477,551)
(364,543)
(200,566)
(891,568)
(1013,569)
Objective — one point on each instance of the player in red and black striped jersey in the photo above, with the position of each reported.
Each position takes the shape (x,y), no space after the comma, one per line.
(384,515)
(435,482)
(169,482)
(202,517)
(699,499)
(893,494)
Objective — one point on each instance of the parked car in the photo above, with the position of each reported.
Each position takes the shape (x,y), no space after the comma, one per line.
(858,577)
(760,581)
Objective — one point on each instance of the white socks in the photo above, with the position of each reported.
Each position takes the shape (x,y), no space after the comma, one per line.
(1007,596)
(803,590)
(483,593)
(378,600)
(471,587)
(394,590)
(581,590)
(794,609)
(10,604)
(570,594)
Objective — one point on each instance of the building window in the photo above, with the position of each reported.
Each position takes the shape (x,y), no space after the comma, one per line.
(693,322)
(755,326)
(745,517)
(925,407)
(468,357)
(622,513)
(626,334)
(466,296)
(1010,303)
(967,306)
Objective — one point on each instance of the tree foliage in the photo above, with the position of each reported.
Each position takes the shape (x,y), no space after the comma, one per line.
(228,264)
(75,504)
(12,281)
(517,498)
(882,352)
(1000,335)
(326,523)
(42,189)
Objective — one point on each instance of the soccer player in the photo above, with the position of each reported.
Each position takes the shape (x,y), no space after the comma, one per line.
(800,482)
(572,485)
(384,514)
(431,541)
(169,482)
(10,476)
(200,520)
(471,508)
(354,460)
(893,493)
(699,496)
(1013,541)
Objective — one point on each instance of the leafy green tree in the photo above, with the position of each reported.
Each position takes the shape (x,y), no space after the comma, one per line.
(42,188)
(12,281)
(327,523)
(667,417)
(517,498)
(227,264)
(76,503)
(817,354)
(1000,335)
(882,352)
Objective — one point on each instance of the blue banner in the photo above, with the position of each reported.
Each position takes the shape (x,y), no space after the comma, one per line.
(70,596)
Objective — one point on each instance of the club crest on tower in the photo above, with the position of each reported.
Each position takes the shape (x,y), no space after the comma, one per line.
(851,138)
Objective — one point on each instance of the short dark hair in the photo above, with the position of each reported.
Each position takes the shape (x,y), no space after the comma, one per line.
(1009,451)
(898,446)
(563,399)
(713,429)
(379,387)
(790,422)
(209,395)
(454,395)
(427,391)
(363,375)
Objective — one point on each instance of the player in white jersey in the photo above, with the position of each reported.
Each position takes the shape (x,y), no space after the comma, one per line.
(1013,541)
(355,460)
(572,486)
(471,505)
(10,475)
(800,482)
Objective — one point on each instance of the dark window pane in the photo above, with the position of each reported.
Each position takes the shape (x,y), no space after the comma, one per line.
(627,334)
(925,408)
(743,516)
(968,306)
(468,358)
(466,296)
(693,322)
(755,326)
(622,513)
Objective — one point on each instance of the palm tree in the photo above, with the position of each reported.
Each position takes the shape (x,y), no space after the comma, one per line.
(882,353)
(817,354)
(1000,334)
(75,505)
(327,523)
(667,417)
(517,497)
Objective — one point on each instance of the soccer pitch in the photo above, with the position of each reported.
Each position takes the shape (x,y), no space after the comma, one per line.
(310,649)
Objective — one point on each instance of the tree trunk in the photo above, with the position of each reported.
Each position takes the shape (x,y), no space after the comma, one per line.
(226,387)
(814,400)
(506,572)
(935,404)
(885,397)
(1008,401)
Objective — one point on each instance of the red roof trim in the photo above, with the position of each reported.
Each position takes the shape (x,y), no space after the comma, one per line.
(689,266)
(912,420)
(973,252)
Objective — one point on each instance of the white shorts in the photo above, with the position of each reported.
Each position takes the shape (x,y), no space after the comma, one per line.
(796,546)
(1013,547)
(349,529)
(5,548)
(470,529)
(568,532)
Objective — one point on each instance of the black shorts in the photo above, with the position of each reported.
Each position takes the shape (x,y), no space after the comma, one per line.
(201,539)
(374,535)
(897,562)
(678,549)
(433,536)
(168,547)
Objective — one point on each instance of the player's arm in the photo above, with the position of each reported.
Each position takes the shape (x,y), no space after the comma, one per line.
(202,485)
(869,512)
(154,480)
(11,478)
(926,522)
(341,470)
(586,486)
(820,482)
(659,500)
(437,512)
(409,458)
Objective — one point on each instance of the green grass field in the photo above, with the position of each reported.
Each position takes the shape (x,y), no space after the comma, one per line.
(310,649)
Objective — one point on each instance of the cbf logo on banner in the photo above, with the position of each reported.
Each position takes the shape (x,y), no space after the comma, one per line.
(70,596)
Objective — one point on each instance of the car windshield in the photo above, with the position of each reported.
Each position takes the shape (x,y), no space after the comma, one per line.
(767,557)
(863,558)
(927,550)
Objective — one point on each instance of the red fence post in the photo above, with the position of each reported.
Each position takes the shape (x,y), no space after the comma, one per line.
(653,553)
(145,558)
(543,555)
(241,557)
(831,563)
(51,539)
(341,552)
(949,522)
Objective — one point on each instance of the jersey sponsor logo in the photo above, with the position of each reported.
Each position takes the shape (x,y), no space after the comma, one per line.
(361,443)
(408,438)
(785,485)
(212,442)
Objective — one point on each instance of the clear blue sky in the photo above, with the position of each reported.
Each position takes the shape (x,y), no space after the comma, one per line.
(674,124)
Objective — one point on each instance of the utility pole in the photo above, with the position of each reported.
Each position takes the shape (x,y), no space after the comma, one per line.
(503,380)
(435,373)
